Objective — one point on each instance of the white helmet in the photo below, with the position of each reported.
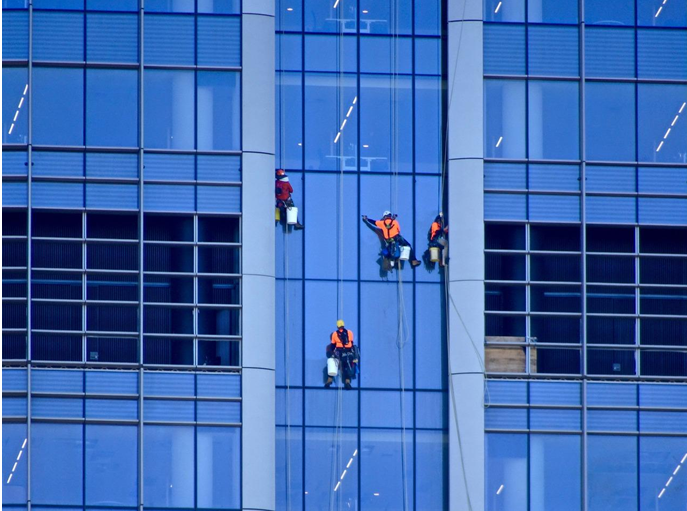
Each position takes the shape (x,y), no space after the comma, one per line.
(386,213)
(284,178)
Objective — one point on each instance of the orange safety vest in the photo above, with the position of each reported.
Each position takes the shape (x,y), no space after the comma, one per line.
(391,230)
(337,341)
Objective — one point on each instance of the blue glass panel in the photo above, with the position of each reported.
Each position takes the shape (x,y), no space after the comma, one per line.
(555,474)
(169,39)
(382,409)
(431,342)
(662,459)
(168,466)
(428,118)
(553,120)
(505,176)
(168,198)
(552,11)
(55,121)
(327,452)
(430,477)
(652,13)
(497,10)
(158,410)
(291,402)
(662,54)
(219,41)
(385,55)
(289,105)
(670,396)
(15,106)
(385,123)
(111,382)
(220,7)
(57,164)
(611,420)
(505,418)
(169,5)
(289,14)
(109,5)
(555,393)
(427,17)
(112,37)
(506,472)
(289,53)
(321,208)
(56,381)
(663,422)
(14,463)
(554,177)
(611,394)
(612,469)
(112,107)
(504,127)
(499,206)
(14,163)
(610,52)
(328,53)
(662,111)
(662,180)
(609,12)
(58,36)
(111,196)
(58,4)
(610,179)
(429,410)
(60,195)
(619,210)
(112,409)
(168,384)
(506,392)
(293,239)
(553,51)
(218,412)
(219,199)
(14,406)
(554,208)
(112,165)
(568,420)
(169,167)
(14,379)
(322,408)
(662,211)
(289,467)
(15,35)
(504,49)
(219,168)
(219,110)
(218,469)
(428,56)
(111,458)
(56,407)
(324,17)
(427,192)
(57,445)
(287,344)
(218,385)
(14,194)
(610,126)
(169,109)
(386,466)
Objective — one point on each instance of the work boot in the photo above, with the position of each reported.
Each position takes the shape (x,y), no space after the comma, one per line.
(415,262)
(329,383)
(299,226)
(347,385)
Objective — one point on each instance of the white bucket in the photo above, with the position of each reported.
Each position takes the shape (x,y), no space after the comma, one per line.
(434,254)
(332,366)
(405,253)
(292,215)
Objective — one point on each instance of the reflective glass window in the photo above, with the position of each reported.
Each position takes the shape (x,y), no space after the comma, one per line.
(289,14)
(168,463)
(14,463)
(111,458)
(218,468)
(555,472)
(612,473)
(169,109)
(427,17)
(552,11)
(58,4)
(386,55)
(111,107)
(662,477)
(58,36)
(219,110)
(57,445)
(108,5)
(170,5)
(169,39)
(610,121)
(504,105)
(504,49)
(662,111)
(428,122)
(289,56)
(386,466)
(431,453)
(56,121)
(506,472)
(553,51)
(289,105)
(324,17)
(111,37)
(385,17)
(553,120)
(15,35)
(327,454)
(219,6)
(655,13)
(497,10)
(331,53)
(428,56)
(609,52)
(219,41)
(609,12)
(662,54)
(15,106)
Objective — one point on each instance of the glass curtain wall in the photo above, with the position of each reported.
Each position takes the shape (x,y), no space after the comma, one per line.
(359,131)
(121,250)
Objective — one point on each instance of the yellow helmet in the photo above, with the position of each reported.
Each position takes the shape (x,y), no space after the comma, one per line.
(339,323)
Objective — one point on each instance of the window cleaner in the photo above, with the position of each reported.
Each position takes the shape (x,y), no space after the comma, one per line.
(341,355)
(284,201)
(437,236)
(396,247)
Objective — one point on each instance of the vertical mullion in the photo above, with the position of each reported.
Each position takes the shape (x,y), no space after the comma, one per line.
(141,144)
(29,177)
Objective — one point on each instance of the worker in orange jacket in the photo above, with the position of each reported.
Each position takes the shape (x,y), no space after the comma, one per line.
(282,193)
(438,237)
(341,346)
(390,229)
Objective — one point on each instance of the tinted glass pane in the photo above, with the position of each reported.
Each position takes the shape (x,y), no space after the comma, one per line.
(552,11)
(218,469)
(612,473)
(168,462)
(112,37)
(57,445)
(610,116)
(15,107)
(609,12)
(111,456)
(219,40)
(553,120)
(14,462)
(553,51)
(506,472)
(663,123)
(504,105)
(555,475)
(610,52)
(15,35)
(111,108)
(219,111)
(659,459)
(504,49)
(662,54)
(169,39)
(169,109)
(652,13)
(58,36)
(496,10)
(55,121)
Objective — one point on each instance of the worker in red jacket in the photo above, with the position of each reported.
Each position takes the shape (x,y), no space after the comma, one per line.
(282,192)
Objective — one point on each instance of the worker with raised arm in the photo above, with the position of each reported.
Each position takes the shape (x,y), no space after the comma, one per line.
(341,346)
(438,237)
(282,192)
(390,230)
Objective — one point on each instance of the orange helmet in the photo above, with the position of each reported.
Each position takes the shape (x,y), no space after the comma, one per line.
(281,172)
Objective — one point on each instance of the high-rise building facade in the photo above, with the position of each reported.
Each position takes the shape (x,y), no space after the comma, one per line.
(164,337)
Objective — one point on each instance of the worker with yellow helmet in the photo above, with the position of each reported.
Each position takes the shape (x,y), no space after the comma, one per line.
(341,347)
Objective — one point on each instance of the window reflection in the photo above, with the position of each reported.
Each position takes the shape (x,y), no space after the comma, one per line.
(662,473)
(332,462)
(506,472)
(387,469)
(504,107)
(610,121)
(612,472)
(662,123)
(15,106)
(555,473)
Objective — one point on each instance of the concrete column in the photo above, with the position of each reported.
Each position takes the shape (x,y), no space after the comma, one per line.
(466,267)
(258,391)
